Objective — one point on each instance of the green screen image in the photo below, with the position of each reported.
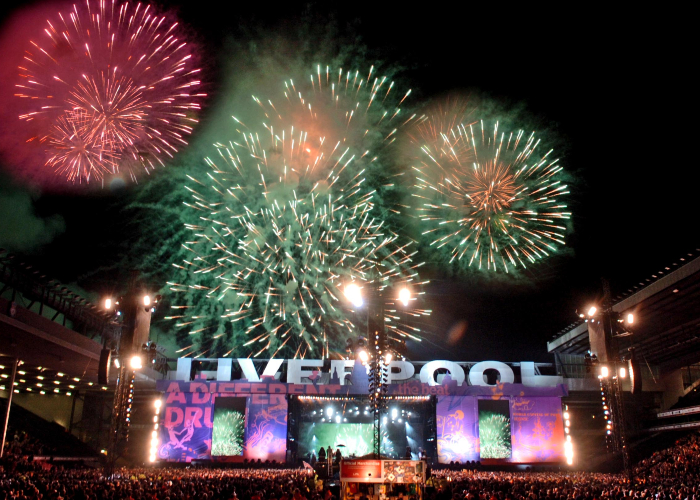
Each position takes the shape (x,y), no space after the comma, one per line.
(229,427)
(494,429)
(356,438)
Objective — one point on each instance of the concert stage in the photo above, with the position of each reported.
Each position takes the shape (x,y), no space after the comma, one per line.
(439,415)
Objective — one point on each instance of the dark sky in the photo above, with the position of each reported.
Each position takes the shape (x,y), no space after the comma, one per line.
(602,78)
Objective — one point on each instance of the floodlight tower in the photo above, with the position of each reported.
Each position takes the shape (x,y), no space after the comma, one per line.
(135,309)
(377,355)
(605,326)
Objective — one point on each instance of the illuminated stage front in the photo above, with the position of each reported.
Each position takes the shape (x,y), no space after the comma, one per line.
(449,422)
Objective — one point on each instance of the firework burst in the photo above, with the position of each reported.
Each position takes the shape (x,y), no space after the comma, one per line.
(284,224)
(494,435)
(361,109)
(126,73)
(227,434)
(488,200)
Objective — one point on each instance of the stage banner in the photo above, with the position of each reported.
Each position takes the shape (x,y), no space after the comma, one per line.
(361,471)
(449,387)
(537,430)
(185,427)
(382,471)
(457,432)
(266,428)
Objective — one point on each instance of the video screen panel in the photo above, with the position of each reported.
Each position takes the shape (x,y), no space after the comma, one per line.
(354,440)
(228,432)
(494,429)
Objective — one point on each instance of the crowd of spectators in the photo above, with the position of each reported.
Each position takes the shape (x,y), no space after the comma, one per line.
(19,443)
(672,474)
(165,484)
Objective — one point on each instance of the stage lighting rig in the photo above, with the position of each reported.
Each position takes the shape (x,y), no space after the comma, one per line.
(606,326)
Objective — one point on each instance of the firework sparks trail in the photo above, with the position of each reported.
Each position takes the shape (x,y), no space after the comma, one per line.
(126,72)
(487,199)
(284,224)
(361,109)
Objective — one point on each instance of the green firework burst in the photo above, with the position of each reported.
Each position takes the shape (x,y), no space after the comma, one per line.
(487,199)
(227,433)
(284,223)
(494,435)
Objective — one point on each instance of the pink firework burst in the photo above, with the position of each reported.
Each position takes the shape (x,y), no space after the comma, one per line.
(109,87)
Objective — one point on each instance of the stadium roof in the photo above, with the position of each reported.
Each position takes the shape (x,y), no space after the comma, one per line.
(667,318)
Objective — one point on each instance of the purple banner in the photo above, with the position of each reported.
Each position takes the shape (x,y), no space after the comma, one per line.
(185,427)
(457,433)
(537,430)
(266,429)
(412,388)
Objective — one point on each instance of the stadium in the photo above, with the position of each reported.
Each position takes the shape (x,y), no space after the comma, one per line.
(240,412)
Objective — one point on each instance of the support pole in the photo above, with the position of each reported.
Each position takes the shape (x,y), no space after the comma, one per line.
(10,392)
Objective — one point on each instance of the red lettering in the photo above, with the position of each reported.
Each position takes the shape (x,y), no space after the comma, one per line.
(173,416)
(260,399)
(198,386)
(173,387)
(277,399)
(227,387)
(207,417)
(193,415)
(258,388)
(277,388)
(243,387)
(177,397)
(296,389)
(199,398)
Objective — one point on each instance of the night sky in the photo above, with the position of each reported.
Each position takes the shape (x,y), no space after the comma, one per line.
(599,80)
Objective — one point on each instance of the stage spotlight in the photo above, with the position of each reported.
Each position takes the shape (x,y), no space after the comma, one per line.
(630,318)
(353,294)
(623,372)
(329,412)
(405,296)
(116,363)
(592,310)
(136,363)
(394,413)
(387,358)
(146,300)
(157,403)
(108,303)
(604,371)
(337,419)
(364,357)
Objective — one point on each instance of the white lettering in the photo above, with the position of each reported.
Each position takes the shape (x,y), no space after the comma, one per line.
(476,373)
(427,373)
(400,371)
(295,371)
(406,370)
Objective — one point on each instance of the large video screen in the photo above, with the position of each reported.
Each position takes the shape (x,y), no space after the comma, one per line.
(494,429)
(228,432)
(353,440)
